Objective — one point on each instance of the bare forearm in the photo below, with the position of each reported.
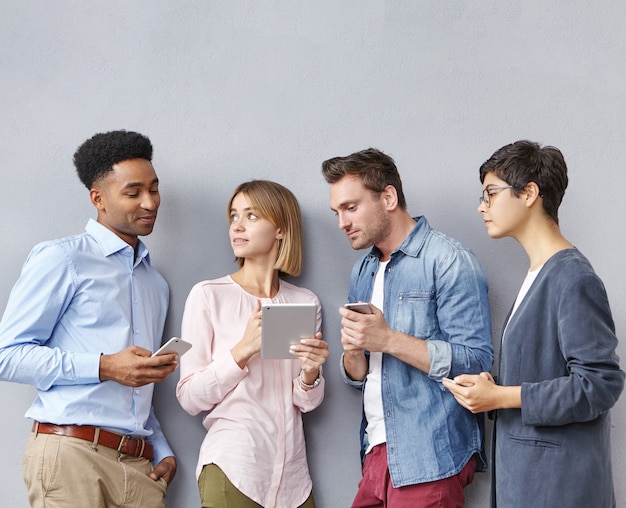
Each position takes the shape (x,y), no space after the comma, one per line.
(355,365)
(508,397)
(411,350)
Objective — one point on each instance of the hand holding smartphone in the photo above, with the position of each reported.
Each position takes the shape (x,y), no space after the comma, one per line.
(361,307)
(174,345)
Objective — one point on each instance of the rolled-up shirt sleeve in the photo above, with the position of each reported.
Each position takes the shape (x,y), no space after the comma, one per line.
(464,318)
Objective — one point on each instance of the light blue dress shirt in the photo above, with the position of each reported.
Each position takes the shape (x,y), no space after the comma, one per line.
(77,298)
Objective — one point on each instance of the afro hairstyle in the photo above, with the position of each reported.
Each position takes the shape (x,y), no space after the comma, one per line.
(96,156)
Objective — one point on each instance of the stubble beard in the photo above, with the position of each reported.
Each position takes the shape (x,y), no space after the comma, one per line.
(375,233)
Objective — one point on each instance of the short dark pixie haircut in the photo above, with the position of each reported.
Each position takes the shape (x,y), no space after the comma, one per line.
(96,156)
(375,169)
(523,162)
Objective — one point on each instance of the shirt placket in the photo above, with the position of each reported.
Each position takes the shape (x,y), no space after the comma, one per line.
(279,459)
(137,322)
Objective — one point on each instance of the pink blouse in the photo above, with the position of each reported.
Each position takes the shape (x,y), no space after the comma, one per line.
(252,415)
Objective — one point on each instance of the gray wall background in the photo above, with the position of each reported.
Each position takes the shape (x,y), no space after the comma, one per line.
(230,91)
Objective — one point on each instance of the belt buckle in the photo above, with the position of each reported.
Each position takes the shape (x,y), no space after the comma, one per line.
(121,445)
(137,451)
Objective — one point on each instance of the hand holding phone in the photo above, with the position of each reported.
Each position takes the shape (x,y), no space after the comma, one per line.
(361,307)
(174,345)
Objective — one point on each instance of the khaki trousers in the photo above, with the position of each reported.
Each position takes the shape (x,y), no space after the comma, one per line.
(66,472)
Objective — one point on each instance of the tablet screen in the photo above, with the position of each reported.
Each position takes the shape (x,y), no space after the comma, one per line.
(284,324)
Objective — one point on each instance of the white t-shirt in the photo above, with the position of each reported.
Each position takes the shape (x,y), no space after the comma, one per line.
(372,397)
(528,281)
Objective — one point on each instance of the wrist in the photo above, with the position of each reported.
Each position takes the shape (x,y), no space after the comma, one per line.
(241,355)
(511,397)
(103,368)
(309,386)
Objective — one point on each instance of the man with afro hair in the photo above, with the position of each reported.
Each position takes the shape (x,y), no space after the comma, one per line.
(80,326)
(96,157)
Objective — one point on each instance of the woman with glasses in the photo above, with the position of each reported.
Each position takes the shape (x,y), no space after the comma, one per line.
(254,452)
(558,374)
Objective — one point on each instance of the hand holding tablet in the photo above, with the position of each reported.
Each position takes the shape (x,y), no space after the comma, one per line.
(284,324)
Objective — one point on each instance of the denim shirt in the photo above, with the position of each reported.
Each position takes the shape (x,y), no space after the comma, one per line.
(435,289)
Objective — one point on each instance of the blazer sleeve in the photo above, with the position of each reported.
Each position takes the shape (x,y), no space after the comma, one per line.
(587,341)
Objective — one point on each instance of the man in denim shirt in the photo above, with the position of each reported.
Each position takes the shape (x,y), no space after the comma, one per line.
(419,448)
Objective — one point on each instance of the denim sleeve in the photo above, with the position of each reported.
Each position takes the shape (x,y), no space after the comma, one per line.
(464,346)
(346,378)
(356,293)
(440,354)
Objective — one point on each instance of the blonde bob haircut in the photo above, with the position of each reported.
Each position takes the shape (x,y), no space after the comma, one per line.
(277,204)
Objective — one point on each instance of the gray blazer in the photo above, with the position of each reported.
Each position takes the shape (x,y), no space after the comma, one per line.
(560,347)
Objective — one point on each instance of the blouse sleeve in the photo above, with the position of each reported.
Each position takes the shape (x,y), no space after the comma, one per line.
(307,400)
(204,379)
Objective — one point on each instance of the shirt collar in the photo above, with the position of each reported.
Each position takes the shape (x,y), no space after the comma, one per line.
(413,243)
(111,243)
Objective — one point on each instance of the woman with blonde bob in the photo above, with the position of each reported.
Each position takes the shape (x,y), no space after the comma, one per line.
(254,452)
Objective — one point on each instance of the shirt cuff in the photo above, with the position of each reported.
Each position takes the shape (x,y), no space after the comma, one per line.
(161,448)
(440,354)
(346,378)
(227,371)
(86,368)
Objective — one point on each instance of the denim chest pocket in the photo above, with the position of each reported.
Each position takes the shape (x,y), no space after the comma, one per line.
(416,313)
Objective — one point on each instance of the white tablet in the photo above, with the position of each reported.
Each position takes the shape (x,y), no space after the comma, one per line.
(284,324)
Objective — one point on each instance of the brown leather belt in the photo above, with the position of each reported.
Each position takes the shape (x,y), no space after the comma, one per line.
(127,445)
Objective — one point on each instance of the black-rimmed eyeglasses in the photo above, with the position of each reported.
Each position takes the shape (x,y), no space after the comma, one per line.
(490,191)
